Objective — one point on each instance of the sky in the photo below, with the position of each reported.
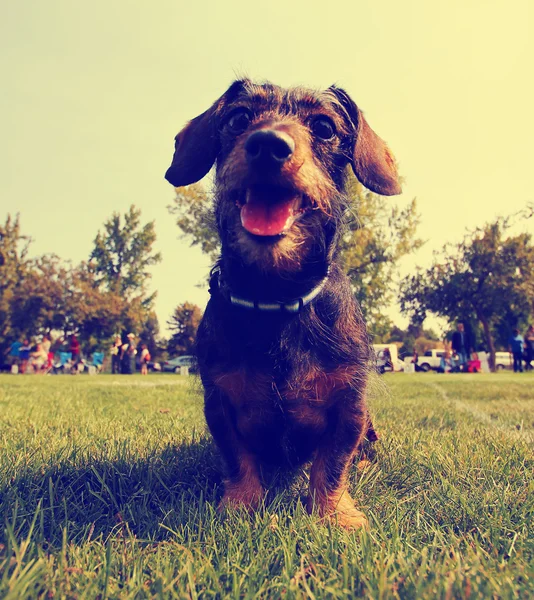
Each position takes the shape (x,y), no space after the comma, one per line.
(94,93)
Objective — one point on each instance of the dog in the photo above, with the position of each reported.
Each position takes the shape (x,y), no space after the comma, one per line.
(282,348)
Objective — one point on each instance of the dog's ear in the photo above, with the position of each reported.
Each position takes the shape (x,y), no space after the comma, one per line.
(197,146)
(372,161)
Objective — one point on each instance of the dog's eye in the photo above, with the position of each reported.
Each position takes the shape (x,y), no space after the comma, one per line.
(239,121)
(323,128)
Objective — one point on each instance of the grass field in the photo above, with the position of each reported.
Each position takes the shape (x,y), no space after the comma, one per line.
(108,488)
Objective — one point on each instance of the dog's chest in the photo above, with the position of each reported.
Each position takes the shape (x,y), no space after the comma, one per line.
(300,400)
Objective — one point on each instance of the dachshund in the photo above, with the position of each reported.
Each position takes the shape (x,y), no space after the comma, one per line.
(282,348)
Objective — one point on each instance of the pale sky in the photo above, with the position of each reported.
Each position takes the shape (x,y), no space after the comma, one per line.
(93,94)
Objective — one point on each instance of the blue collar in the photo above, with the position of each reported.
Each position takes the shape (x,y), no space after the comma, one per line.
(293,306)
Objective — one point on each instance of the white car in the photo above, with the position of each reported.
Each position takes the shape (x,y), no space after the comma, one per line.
(503,360)
(430,360)
(174,364)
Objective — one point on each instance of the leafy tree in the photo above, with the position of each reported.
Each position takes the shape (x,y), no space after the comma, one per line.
(195,217)
(408,346)
(120,261)
(380,329)
(414,337)
(377,236)
(94,314)
(54,296)
(149,335)
(44,294)
(13,267)
(183,323)
(122,254)
(396,334)
(37,303)
(509,321)
(486,277)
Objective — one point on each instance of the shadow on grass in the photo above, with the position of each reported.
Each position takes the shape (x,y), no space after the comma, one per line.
(174,488)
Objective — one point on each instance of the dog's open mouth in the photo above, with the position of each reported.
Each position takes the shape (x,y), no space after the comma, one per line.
(270,210)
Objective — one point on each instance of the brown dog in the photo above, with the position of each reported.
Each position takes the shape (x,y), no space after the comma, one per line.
(282,348)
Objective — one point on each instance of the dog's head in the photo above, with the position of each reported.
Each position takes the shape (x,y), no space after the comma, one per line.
(281,157)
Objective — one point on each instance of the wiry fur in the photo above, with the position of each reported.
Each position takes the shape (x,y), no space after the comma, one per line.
(285,388)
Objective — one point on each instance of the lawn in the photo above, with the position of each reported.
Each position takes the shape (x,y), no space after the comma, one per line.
(109,485)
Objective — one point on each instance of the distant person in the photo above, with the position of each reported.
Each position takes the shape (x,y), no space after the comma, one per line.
(14,352)
(46,344)
(515,347)
(74,349)
(415,362)
(474,364)
(39,357)
(445,364)
(461,344)
(57,345)
(145,358)
(116,356)
(47,347)
(128,353)
(529,348)
(24,355)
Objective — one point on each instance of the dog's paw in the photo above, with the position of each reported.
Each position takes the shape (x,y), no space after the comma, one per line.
(246,497)
(350,520)
(340,511)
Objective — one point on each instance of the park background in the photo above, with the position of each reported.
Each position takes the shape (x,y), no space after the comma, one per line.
(93,96)
(109,485)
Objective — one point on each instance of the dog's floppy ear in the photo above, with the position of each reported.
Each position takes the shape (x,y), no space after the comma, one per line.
(372,161)
(197,145)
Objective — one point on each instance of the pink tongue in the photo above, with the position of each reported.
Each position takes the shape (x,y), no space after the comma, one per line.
(264,215)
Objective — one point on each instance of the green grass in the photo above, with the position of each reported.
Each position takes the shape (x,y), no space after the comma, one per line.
(108,488)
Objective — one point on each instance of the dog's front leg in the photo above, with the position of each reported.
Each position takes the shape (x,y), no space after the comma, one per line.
(243,486)
(329,496)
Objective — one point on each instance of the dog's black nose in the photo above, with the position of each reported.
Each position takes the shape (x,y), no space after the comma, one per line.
(269,147)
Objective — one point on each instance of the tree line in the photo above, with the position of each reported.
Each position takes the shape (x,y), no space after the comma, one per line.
(485,281)
(103,296)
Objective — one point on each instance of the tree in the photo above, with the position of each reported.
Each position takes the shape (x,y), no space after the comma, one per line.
(183,323)
(54,296)
(485,277)
(195,217)
(377,236)
(13,267)
(122,254)
(94,314)
(149,335)
(37,306)
(414,337)
(45,294)
(120,261)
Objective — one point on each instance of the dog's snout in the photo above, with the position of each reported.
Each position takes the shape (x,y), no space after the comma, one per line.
(268,146)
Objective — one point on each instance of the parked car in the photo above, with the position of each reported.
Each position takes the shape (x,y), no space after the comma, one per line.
(503,360)
(173,365)
(431,360)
